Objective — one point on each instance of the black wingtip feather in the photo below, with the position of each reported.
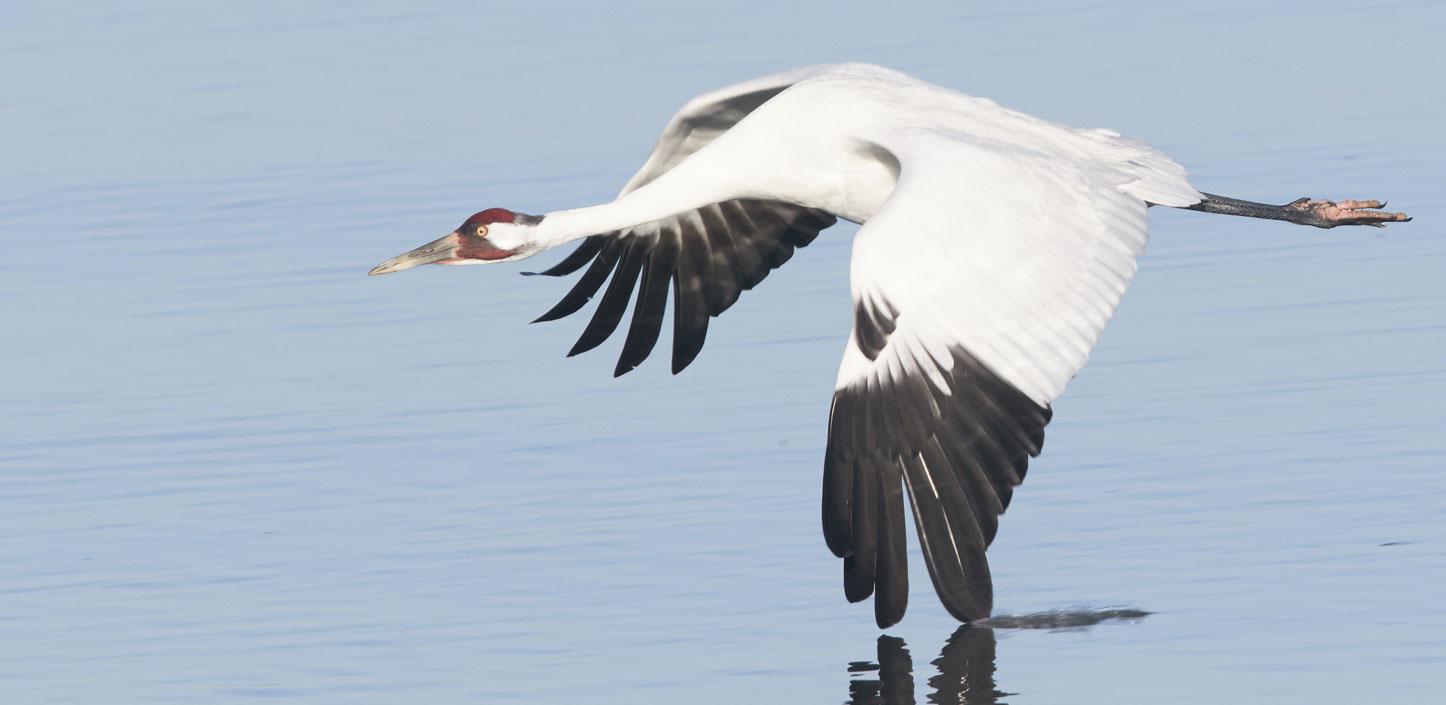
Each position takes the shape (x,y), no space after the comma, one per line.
(614,302)
(690,320)
(652,304)
(576,259)
(858,579)
(958,451)
(892,583)
(939,505)
(587,285)
(838,485)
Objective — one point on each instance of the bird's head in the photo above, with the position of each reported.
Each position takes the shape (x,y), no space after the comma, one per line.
(493,235)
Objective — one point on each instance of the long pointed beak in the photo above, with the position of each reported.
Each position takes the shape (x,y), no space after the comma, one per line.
(441,249)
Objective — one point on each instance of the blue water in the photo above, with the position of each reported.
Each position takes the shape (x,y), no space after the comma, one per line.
(234,468)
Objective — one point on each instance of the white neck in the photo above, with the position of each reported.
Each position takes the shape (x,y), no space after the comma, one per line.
(680,190)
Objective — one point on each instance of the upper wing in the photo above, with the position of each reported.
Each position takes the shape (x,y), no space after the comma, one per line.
(710,255)
(705,117)
(979,289)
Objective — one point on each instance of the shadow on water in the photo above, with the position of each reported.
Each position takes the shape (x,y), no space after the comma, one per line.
(1061,619)
(965,666)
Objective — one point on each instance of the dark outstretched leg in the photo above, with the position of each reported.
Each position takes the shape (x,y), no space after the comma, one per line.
(1322,214)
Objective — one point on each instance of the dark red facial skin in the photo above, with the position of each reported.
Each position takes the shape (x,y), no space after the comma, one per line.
(487,217)
(474,247)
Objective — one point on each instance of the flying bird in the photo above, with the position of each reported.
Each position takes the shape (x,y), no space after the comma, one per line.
(994,248)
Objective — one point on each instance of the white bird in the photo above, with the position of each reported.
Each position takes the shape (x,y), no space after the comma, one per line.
(994,247)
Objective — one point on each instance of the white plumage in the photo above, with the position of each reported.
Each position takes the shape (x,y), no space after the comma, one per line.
(994,248)
(986,224)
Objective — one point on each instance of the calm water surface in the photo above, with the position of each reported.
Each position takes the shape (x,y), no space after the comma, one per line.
(234,468)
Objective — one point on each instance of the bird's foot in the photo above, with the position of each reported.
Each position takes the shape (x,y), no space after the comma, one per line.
(1328,214)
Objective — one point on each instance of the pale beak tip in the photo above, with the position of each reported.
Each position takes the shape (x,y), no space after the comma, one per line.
(439,250)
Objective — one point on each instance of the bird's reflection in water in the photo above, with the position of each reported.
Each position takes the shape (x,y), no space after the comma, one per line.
(966,665)
(965,672)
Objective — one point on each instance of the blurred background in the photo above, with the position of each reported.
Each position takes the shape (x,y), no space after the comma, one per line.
(234,468)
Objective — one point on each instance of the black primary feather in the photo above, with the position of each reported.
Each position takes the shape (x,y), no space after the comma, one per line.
(708,257)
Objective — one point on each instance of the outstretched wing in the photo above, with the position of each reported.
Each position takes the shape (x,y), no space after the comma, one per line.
(708,256)
(703,118)
(979,289)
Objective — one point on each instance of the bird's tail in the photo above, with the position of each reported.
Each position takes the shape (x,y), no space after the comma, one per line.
(1144,171)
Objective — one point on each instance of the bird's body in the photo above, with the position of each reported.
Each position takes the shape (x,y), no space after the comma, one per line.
(994,248)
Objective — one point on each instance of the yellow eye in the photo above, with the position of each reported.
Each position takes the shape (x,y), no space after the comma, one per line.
(481,231)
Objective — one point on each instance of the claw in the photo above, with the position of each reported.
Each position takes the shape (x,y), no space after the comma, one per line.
(1329,214)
